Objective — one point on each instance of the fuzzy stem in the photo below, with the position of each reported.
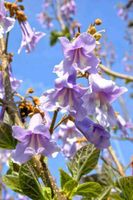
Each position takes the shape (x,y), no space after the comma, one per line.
(47,178)
(116,161)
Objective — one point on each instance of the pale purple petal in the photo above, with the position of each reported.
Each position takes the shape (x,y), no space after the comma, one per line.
(20,133)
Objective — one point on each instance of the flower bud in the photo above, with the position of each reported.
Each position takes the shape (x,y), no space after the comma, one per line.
(8,5)
(30,90)
(98,36)
(14,6)
(92,30)
(98,21)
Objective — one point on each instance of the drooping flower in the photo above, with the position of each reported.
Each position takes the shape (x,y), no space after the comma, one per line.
(71,138)
(68,130)
(66,96)
(123,13)
(123,125)
(79,54)
(35,140)
(99,97)
(94,133)
(6,23)
(45,20)
(29,37)
(68,9)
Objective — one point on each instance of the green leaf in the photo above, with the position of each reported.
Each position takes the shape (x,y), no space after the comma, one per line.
(84,161)
(64,178)
(6,139)
(47,193)
(116,196)
(12,181)
(70,187)
(90,189)
(105,193)
(100,178)
(126,186)
(29,182)
(54,37)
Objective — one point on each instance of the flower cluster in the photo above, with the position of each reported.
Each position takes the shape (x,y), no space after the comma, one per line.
(64,9)
(68,9)
(83,103)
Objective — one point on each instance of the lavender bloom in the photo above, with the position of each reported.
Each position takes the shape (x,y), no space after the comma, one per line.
(68,9)
(71,138)
(72,146)
(66,96)
(94,133)
(29,37)
(6,23)
(68,130)
(79,53)
(45,20)
(101,94)
(35,140)
(122,13)
(123,125)
(47,3)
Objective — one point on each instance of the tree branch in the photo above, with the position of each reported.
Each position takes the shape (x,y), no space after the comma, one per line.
(116,74)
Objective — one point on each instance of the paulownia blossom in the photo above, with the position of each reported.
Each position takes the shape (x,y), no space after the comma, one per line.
(80,54)
(34,140)
(94,133)
(6,23)
(98,99)
(66,96)
(29,37)
(71,138)
(68,9)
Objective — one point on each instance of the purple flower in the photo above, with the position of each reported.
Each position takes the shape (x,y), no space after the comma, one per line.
(122,13)
(68,9)
(123,125)
(68,130)
(79,53)
(101,94)
(29,37)
(45,20)
(35,140)
(47,3)
(94,133)
(71,138)
(66,96)
(6,23)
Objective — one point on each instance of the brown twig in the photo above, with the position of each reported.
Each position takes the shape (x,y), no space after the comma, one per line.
(116,74)
(116,161)
(53,121)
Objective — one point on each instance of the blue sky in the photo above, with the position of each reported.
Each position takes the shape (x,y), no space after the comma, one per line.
(35,69)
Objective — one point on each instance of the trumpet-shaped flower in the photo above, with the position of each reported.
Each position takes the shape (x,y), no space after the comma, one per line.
(35,140)
(98,99)
(6,23)
(79,53)
(66,96)
(94,133)
(29,37)
(71,138)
